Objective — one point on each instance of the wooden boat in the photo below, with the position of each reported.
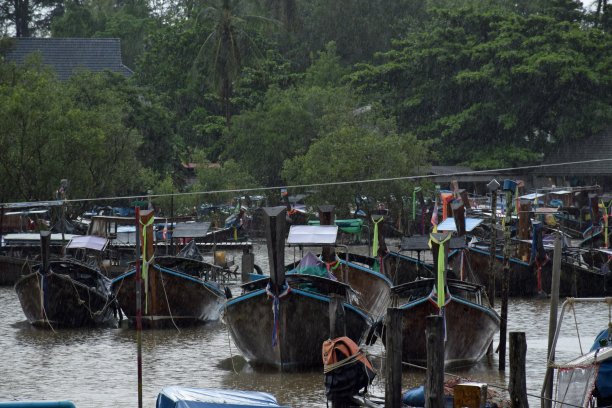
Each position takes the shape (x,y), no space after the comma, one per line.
(281,321)
(66,293)
(178,397)
(178,290)
(586,380)
(470,324)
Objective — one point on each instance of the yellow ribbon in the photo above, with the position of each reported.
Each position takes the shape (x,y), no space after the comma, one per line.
(145,261)
(375,240)
(441,261)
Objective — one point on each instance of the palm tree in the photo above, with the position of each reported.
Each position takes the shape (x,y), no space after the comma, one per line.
(228,45)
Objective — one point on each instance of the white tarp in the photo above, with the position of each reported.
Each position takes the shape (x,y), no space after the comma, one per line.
(449,224)
(312,234)
(531,196)
(87,242)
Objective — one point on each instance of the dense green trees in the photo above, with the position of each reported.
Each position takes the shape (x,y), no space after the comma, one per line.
(494,88)
(314,91)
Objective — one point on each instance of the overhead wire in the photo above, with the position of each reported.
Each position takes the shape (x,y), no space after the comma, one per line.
(327,184)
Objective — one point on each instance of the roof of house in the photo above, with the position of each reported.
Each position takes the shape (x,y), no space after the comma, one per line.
(596,147)
(66,55)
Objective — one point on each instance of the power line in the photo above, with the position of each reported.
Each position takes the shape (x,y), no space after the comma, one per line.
(333,183)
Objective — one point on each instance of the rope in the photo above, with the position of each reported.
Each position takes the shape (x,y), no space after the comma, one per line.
(350,359)
(229,343)
(161,276)
(500,387)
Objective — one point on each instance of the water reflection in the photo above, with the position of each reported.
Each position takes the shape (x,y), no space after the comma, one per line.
(98,367)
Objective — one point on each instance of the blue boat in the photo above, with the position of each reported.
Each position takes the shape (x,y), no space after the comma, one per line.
(185,397)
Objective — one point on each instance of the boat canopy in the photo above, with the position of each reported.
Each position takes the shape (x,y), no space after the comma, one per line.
(190,229)
(88,242)
(312,235)
(184,397)
(449,224)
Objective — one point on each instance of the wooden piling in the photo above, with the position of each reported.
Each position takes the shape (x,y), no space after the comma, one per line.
(505,283)
(552,321)
(492,249)
(434,386)
(327,217)
(337,317)
(148,247)
(138,308)
(518,381)
(393,347)
(248,264)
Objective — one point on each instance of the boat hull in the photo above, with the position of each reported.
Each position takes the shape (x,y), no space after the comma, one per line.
(575,281)
(172,299)
(56,300)
(303,326)
(469,331)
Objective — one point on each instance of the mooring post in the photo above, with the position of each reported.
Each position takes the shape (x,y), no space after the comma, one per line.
(337,317)
(552,321)
(434,386)
(393,346)
(492,187)
(138,285)
(146,224)
(509,187)
(248,264)
(518,381)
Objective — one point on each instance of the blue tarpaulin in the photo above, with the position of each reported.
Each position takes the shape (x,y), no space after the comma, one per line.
(185,397)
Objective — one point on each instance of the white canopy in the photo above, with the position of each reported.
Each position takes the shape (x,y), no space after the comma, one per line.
(312,234)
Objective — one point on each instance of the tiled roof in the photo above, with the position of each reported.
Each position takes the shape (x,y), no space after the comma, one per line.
(596,147)
(69,54)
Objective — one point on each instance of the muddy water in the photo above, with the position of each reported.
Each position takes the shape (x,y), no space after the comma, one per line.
(98,367)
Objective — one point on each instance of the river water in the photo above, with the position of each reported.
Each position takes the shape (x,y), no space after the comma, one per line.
(98,367)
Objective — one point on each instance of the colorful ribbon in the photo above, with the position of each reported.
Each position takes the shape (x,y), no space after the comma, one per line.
(375,239)
(441,267)
(145,261)
(285,290)
(606,215)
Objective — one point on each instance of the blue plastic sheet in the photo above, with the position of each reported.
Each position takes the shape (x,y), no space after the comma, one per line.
(185,397)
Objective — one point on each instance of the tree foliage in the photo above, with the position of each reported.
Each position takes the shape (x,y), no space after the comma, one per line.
(497,79)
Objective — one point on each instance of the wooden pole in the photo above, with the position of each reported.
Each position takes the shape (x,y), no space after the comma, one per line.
(393,346)
(337,317)
(458,209)
(552,321)
(147,254)
(434,386)
(518,381)
(327,217)
(493,249)
(505,283)
(248,264)
(524,228)
(138,308)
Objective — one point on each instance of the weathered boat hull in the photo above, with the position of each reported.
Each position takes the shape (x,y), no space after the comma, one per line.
(523,282)
(469,331)
(173,298)
(303,325)
(56,300)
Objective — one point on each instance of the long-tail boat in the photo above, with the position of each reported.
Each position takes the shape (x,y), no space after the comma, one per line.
(281,321)
(178,290)
(65,293)
(470,323)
